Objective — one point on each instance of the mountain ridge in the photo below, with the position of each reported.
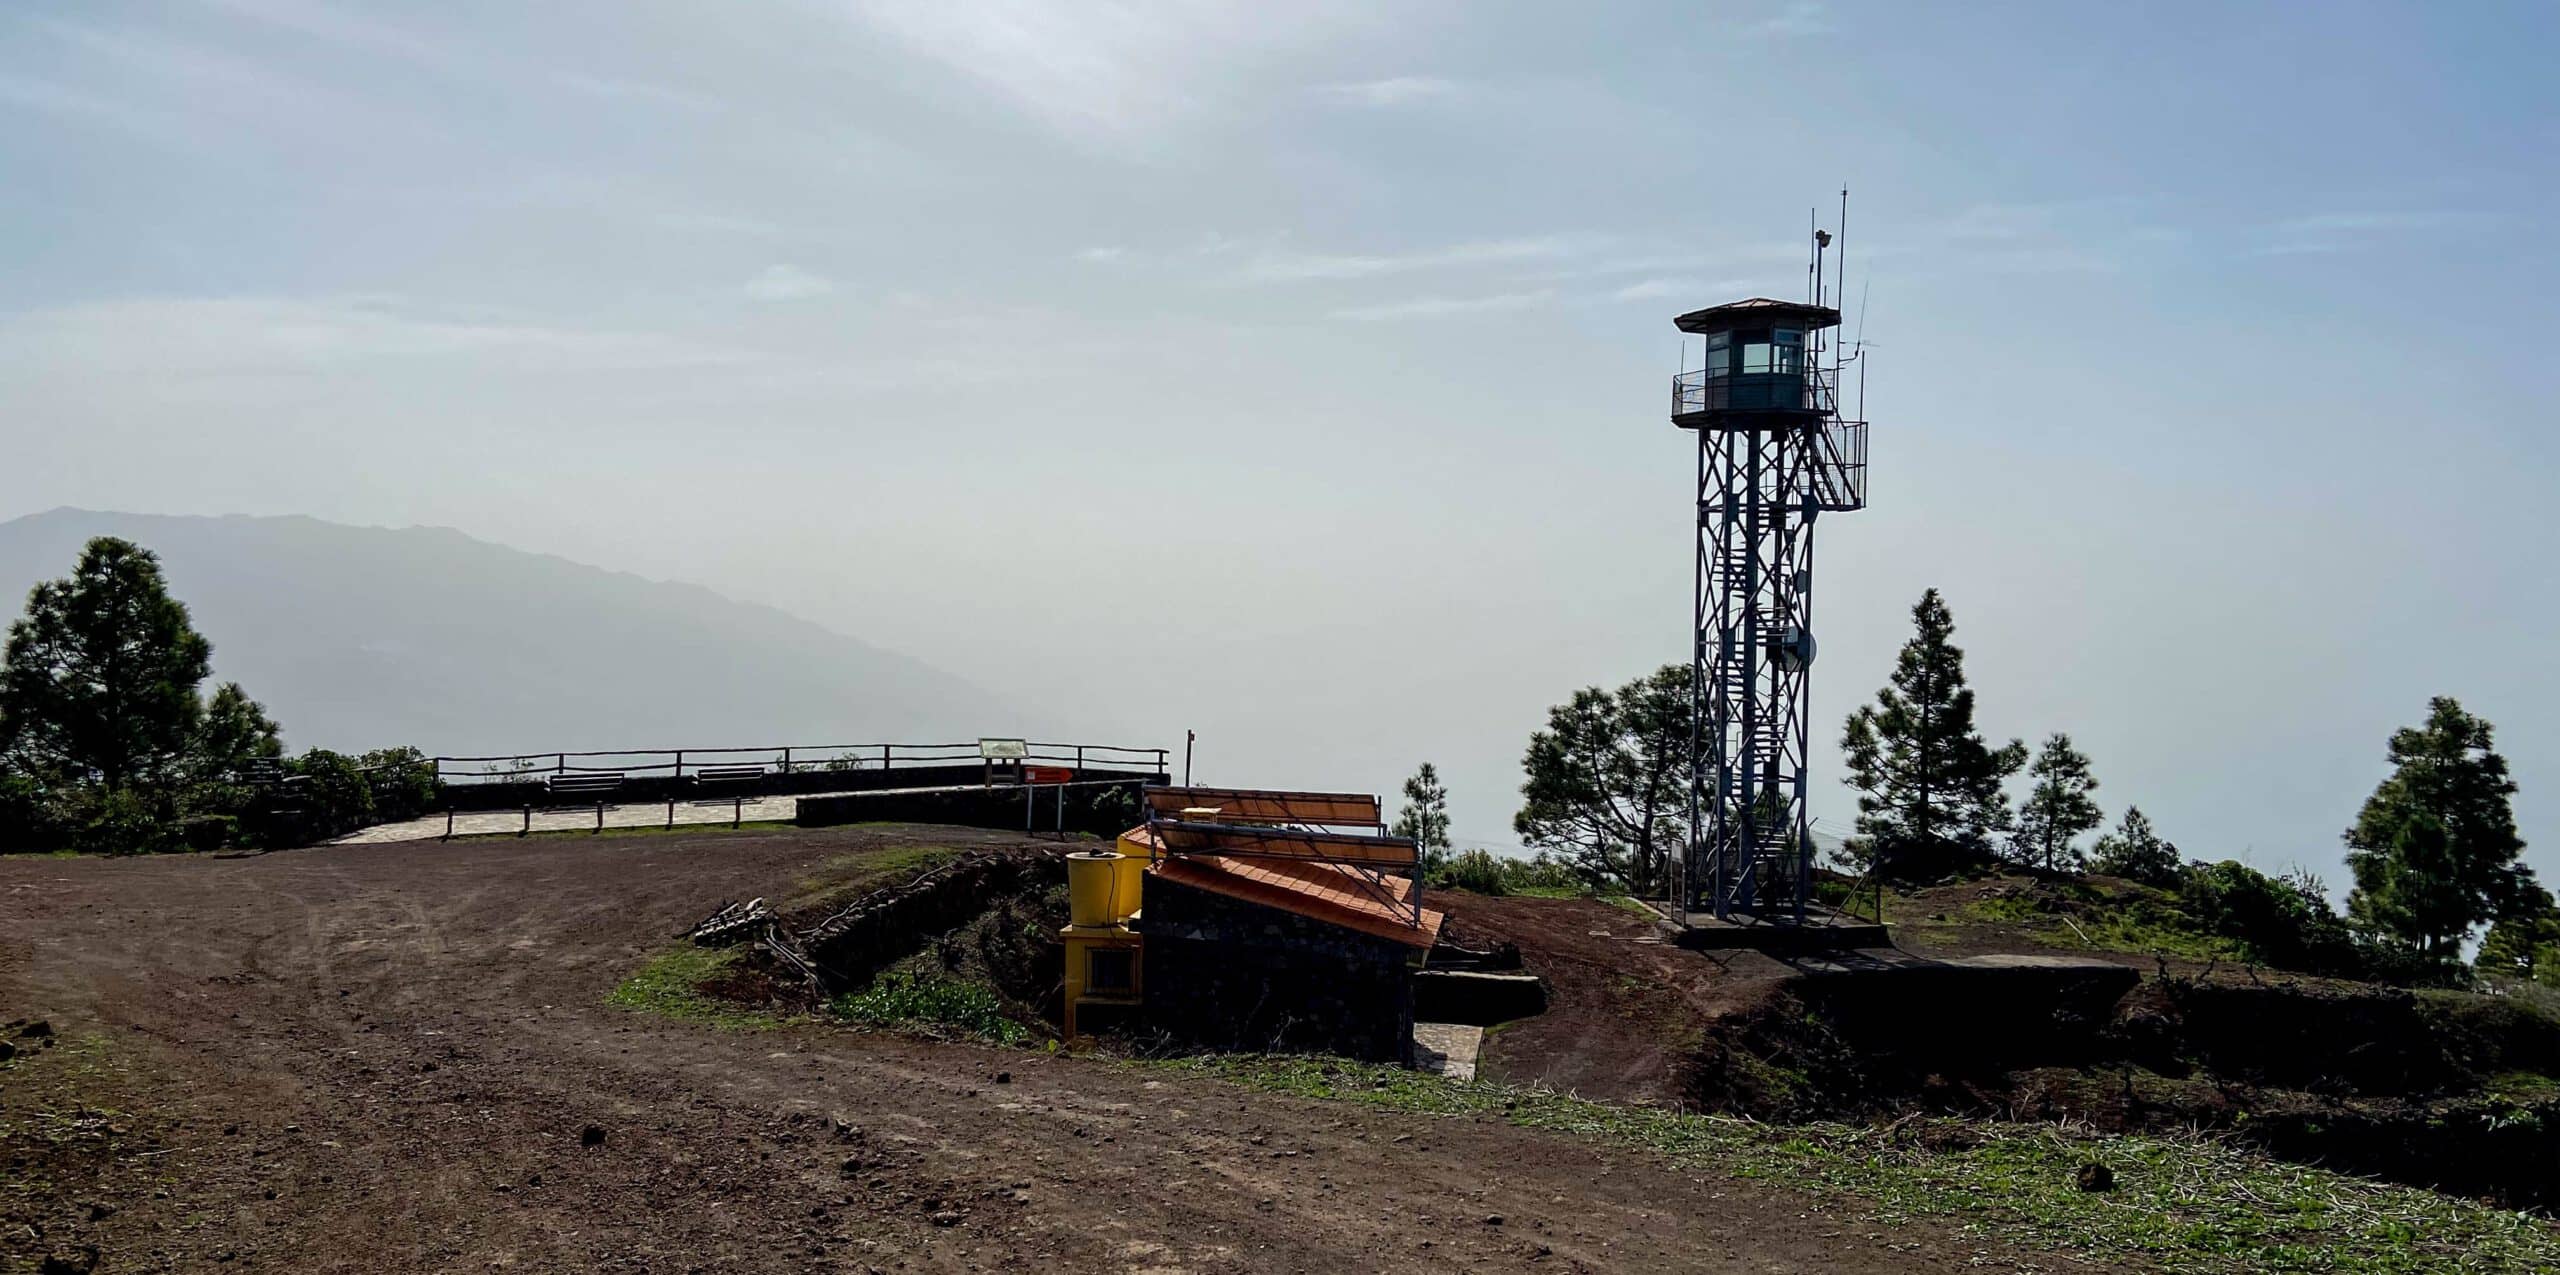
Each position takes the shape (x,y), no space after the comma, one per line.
(358,637)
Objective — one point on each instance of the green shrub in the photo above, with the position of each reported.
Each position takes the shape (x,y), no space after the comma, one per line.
(1484,872)
(335,795)
(2278,921)
(209,832)
(1475,870)
(123,821)
(26,822)
(401,783)
(901,999)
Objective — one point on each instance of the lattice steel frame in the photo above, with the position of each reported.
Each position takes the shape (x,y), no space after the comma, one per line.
(1749,847)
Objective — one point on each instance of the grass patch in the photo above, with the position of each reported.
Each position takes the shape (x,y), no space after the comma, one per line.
(846,875)
(670,986)
(899,999)
(1547,892)
(2133,930)
(1628,903)
(2187,1203)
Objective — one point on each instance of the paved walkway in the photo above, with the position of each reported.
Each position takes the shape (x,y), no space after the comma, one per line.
(643,814)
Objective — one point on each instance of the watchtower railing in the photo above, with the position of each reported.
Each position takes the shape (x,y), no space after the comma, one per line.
(1837,478)
(1730,389)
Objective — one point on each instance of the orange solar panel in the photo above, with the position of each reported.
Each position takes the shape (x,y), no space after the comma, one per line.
(1323,892)
(1268,805)
(1341,847)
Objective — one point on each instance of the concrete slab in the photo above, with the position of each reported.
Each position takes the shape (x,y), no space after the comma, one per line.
(1447,1049)
(1822,930)
(643,814)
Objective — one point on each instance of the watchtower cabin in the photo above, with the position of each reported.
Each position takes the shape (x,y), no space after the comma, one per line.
(1755,362)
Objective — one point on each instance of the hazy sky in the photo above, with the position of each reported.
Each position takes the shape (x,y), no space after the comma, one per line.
(1297,372)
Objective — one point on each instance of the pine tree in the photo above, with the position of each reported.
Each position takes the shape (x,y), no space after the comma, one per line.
(1605,783)
(1425,816)
(2435,850)
(2136,853)
(2524,942)
(99,681)
(1929,788)
(235,731)
(103,741)
(2057,810)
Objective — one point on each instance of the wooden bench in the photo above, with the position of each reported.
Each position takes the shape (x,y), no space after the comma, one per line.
(588,787)
(712,781)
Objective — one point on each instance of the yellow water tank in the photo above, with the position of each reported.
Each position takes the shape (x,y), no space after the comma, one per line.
(1128,879)
(1090,876)
(1093,887)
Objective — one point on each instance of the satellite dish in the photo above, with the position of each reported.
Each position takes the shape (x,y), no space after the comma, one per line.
(1795,649)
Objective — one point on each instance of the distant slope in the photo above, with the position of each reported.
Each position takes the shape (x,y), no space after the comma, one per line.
(361,637)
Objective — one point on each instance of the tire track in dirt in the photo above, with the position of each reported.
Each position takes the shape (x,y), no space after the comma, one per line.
(407,1043)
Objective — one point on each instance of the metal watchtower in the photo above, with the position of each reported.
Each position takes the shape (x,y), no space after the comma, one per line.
(1774,452)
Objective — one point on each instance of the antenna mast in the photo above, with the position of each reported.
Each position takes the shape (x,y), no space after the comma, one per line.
(1774,453)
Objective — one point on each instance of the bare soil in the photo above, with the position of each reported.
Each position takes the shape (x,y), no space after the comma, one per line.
(1627,1010)
(400,1058)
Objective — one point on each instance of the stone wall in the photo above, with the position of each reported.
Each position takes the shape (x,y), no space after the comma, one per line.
(1233,975)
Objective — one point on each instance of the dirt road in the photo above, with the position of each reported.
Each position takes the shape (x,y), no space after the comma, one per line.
(370,1058)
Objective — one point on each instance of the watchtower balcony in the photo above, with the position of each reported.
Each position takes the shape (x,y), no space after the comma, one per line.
(1763,377)
(1759,372)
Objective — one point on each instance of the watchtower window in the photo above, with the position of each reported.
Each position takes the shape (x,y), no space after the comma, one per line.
(1789,349)
(1719,354)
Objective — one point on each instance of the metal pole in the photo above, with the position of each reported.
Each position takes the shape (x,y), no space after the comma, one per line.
(1188,737)
(1678,893)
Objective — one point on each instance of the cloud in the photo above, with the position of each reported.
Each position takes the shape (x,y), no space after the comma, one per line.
(1797,18)
(1443,307)
(1103,255)
(785,282)
(619,90)
(1701,291)
(1293,267)
(335,25)
(1102,70)
(2354,230)
(1399,91)
(718,223)
(164,336)
(68,103)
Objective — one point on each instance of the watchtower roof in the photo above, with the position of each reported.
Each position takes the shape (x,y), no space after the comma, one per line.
(1756,312)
